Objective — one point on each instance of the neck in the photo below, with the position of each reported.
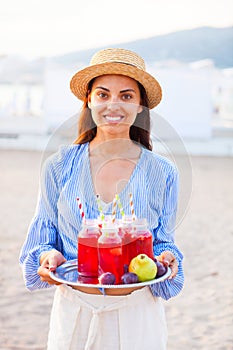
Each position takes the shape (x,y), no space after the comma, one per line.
(113,147)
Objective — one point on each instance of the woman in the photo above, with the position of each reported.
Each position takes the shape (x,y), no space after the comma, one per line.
(111,155)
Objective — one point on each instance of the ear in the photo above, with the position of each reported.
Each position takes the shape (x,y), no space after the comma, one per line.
(89,101)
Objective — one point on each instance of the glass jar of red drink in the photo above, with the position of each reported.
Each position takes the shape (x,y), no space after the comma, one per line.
(141,241)
(88,262)
(110,252)
(125,230)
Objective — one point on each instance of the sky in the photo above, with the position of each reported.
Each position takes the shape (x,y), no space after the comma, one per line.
(34,28)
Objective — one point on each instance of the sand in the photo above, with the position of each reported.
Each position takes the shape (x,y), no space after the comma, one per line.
(200,317)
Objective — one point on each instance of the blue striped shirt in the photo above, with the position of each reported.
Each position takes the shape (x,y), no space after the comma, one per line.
(66,175)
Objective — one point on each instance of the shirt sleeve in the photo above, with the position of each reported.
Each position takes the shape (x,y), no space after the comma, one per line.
(43,233)
(164,239)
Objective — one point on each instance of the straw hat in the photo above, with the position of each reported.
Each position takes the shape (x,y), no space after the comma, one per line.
(117,61)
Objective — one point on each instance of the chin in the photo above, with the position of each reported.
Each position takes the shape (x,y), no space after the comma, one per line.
(116,129)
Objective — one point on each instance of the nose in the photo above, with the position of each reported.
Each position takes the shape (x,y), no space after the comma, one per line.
(114,102)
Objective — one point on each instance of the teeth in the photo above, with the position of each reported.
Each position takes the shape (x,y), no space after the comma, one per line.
(113,119)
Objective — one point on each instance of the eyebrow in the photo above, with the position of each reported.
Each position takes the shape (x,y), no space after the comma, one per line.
(103,88)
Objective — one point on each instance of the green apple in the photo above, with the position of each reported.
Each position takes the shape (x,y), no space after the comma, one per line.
(144,267)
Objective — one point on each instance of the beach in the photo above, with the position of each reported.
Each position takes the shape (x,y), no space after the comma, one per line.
(199,318)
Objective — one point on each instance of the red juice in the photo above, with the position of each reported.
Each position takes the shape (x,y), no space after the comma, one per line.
(124,230)
(110,253)
(88,251)
(141,241)
(126,239)
(87,279)
(126,243)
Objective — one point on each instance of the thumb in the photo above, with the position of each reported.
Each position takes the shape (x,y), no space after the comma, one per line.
(165,261)
(166,258)
(55,260)
(52,263)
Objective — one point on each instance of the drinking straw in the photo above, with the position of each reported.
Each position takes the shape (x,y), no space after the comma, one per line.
(114,209)
(81,209)
(120,206)
(100,207)
(132,206)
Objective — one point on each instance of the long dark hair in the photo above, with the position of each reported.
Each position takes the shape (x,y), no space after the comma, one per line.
(139,131)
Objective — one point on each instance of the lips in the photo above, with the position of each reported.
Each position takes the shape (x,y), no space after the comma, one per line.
(113,119)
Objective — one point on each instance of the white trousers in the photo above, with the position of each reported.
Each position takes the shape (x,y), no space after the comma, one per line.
(81,321)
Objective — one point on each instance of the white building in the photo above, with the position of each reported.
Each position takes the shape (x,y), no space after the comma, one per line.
(197,99)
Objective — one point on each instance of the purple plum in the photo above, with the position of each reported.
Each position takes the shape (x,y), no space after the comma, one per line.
(129,278)
(107,278)
(161,269)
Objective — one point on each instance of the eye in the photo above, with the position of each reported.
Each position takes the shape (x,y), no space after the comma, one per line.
(102,95)
(127,97)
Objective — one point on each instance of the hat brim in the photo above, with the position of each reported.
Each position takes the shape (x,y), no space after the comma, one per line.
(80,80)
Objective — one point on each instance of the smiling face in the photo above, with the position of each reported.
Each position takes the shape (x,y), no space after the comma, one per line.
(114,101)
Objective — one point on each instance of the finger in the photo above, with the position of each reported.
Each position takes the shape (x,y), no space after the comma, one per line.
(166,258)
(45,263)
(43,272)
(169,257)
(174,269)
(55,259)
(45,277)
(52,263)
(44,259)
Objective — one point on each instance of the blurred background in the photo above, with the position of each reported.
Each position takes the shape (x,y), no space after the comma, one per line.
(188,47)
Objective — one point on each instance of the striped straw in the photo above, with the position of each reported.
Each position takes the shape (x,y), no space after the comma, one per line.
(132,206)
(120,206)
(81,209)
(114,209)
(100,207)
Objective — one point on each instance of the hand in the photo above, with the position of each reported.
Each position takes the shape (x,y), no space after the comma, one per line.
(169,259)
(49,261)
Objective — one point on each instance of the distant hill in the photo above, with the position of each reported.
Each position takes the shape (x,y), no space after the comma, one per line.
(185,46)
